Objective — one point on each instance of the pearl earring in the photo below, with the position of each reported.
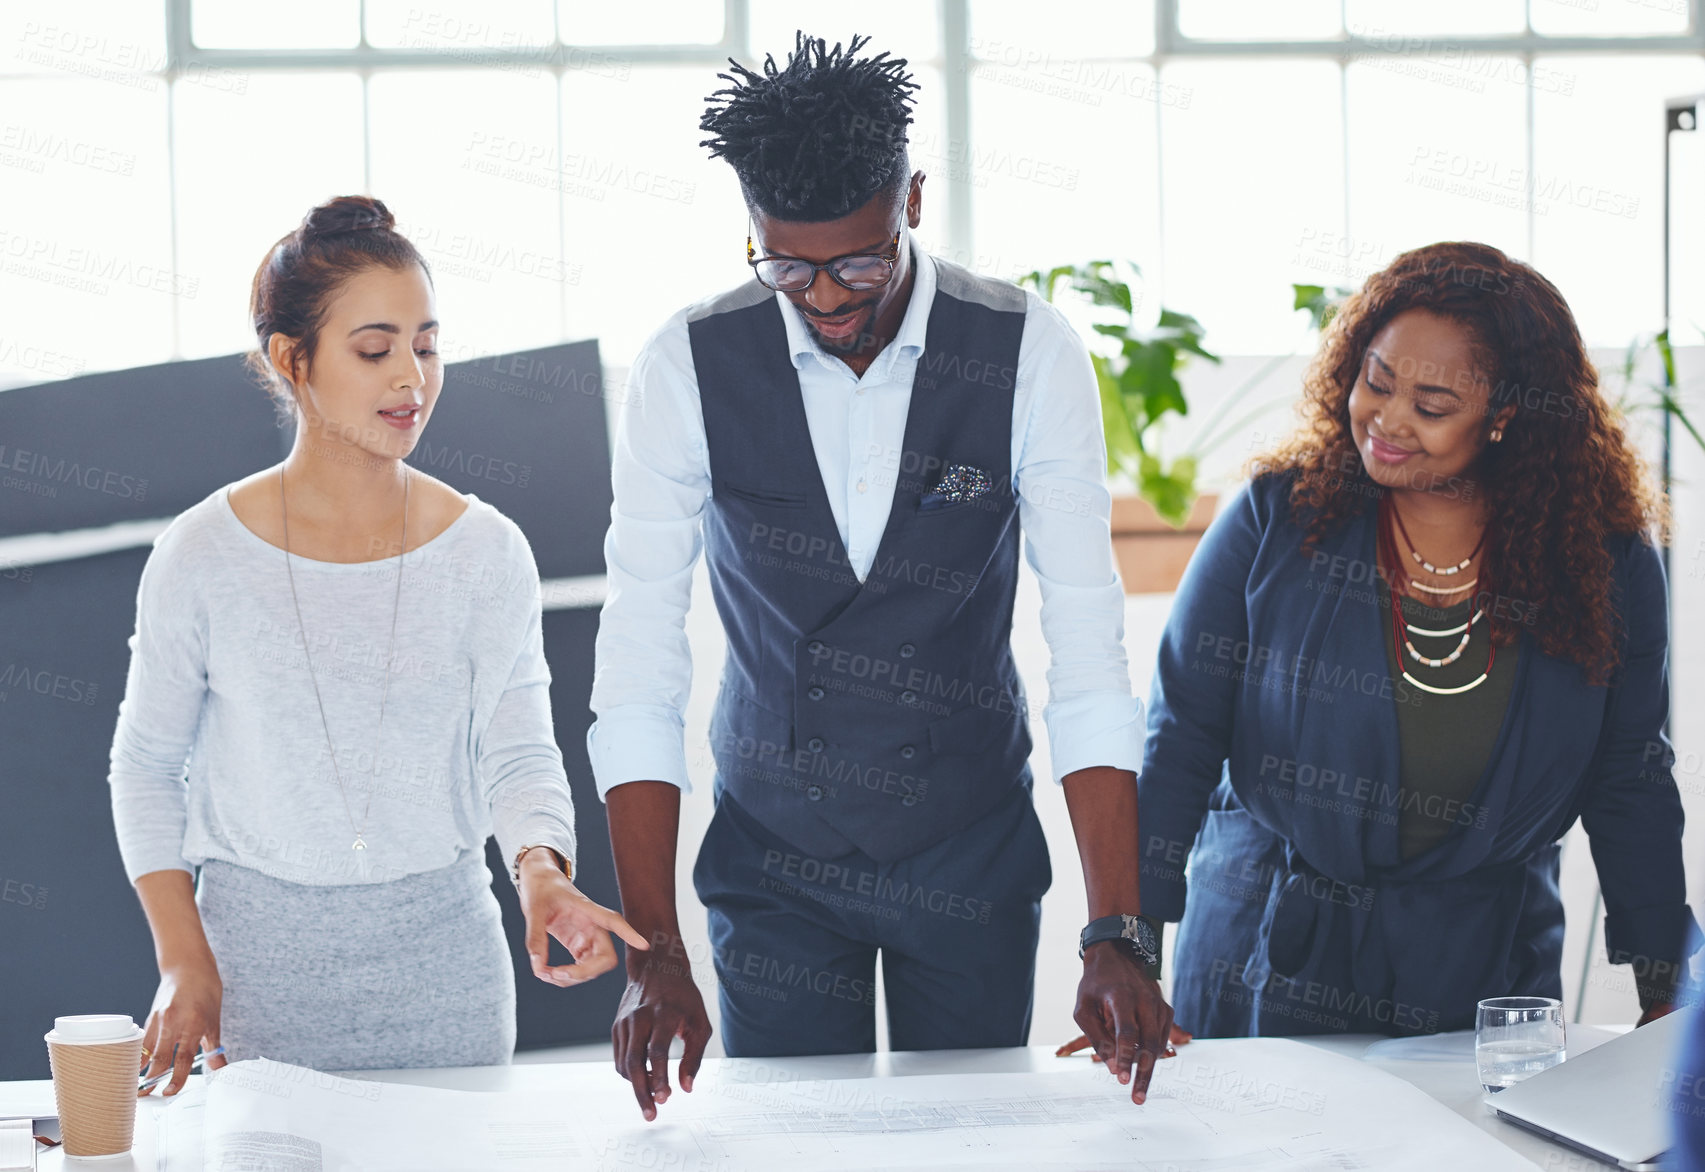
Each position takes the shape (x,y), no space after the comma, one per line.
(1497,434)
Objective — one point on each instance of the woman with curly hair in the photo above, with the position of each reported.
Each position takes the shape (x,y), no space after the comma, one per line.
(1428,636)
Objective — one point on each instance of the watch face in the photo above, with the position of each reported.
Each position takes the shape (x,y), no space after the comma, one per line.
(1140,932)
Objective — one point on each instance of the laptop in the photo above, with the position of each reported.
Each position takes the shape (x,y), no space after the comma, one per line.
(1611,1102)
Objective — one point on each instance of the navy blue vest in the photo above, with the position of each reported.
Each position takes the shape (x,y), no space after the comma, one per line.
(883,715)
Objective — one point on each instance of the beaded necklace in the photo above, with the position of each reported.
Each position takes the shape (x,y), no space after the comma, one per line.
(1390,519)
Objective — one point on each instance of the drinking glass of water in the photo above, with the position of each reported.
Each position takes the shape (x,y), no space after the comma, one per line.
(1517,1037)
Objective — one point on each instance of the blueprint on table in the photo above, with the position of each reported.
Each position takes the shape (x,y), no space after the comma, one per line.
(1245,1104)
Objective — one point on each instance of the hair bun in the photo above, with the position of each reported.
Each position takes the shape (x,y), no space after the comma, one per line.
(346,213)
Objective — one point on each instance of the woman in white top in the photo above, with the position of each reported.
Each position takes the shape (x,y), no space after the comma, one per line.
(348,654)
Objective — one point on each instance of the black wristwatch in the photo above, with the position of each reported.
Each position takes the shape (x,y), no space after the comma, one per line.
(1143,933)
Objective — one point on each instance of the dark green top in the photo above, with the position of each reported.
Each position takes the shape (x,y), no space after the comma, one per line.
(1444,742)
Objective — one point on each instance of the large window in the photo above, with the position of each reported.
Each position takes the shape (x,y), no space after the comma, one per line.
(545,157)
(544,153)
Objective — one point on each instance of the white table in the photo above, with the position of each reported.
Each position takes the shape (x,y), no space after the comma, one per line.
(1452,1083)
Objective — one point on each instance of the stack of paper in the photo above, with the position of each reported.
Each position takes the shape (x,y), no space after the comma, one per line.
(17,1145)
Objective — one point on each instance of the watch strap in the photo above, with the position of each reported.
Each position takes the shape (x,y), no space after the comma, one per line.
(1125,927)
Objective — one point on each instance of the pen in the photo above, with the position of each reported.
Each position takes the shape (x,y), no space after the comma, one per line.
(194,1062)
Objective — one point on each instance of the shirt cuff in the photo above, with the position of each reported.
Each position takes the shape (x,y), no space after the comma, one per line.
(541,830)
(537,811)
(139,863)
(637,742)
(1097,728)
(1654,941)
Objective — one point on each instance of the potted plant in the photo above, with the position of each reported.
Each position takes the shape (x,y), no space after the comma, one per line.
(1155,527)
(1158,523)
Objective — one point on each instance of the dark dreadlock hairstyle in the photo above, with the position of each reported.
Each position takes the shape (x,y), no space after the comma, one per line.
(818,139)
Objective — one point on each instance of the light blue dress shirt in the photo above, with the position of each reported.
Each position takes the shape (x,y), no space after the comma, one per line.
(661,477)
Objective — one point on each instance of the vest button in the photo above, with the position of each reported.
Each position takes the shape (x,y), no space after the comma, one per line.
(815,744)
(815,647)
(908,752)
(909,800)
(815,692)
(908,696)
(907,651)
(815,793)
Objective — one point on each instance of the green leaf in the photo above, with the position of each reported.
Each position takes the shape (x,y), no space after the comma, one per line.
(1194,346)
(1044,283)
(1171,491)
(1672,405)
(1663,395)
(1105,291)
(1184,332)
(1321,303)
(1122,445)
(1170,319)
(1630,362)
(1149,377)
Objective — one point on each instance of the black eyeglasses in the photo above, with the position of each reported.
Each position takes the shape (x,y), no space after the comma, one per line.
(856,270)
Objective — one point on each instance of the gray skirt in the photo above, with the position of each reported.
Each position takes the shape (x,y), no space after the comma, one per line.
(411,972)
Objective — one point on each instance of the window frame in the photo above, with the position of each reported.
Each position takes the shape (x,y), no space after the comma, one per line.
(956,63)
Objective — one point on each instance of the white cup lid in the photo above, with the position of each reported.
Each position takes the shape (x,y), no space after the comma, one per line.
(94,1027)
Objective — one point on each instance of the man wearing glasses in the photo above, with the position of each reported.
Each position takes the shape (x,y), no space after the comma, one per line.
(856,440)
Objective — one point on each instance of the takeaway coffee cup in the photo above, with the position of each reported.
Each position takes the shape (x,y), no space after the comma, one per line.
(95,1059)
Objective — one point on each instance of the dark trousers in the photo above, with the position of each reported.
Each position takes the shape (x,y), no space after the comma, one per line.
(796,938)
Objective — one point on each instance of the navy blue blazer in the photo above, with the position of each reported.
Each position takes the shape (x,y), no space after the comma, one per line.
(1271,765)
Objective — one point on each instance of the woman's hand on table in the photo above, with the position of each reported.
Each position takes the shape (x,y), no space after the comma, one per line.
(184,1018)
(1176,1036)
(553,906)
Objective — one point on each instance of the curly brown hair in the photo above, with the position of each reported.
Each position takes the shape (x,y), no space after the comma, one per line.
(1563,482)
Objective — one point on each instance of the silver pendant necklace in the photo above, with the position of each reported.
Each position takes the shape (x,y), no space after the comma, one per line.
(360,843)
